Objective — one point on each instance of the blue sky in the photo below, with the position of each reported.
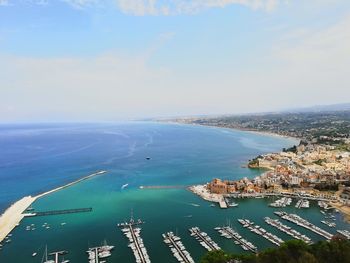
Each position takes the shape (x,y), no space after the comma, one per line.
(119,59)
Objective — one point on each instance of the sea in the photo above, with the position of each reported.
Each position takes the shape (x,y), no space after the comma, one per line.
(35,158)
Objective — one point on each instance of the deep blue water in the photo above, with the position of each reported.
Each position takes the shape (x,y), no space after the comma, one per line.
(36,158)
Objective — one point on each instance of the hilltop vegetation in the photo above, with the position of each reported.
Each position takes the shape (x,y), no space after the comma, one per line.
(294,251)
(331,128)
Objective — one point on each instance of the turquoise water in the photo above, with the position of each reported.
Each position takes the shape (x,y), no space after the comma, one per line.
(180,155)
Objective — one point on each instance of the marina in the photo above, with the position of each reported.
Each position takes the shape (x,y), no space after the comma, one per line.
(304,223)
(302,203)
(288,230)
(229,233)
(99,254)
(345,233)
(282,202)
(132,231)
(204,239)
(12,217)
(177,248)
(261,231)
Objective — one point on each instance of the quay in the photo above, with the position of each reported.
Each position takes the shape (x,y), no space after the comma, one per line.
(204,239)
(177,248)
(286,229)
(304,223)
(132,231)
(16,212)
(261,231)
(59,212)
(229,233)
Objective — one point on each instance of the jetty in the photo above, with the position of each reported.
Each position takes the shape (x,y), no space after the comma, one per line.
(345,233)
(177,248)
(17,211)
(97,253)
(302,204)
(204,239)
(132,231)
(283,202)
(229,233)
(56,256)
(163,186)
(304,223)
(261,231)
(286,229)
(59,212)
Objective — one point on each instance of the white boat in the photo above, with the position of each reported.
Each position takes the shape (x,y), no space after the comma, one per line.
(124,186)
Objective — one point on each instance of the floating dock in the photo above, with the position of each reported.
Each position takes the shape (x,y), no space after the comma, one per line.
(132,231)
(229,233)
(286,229)
(177,248)
(204,239)
(261,231)
(304,223)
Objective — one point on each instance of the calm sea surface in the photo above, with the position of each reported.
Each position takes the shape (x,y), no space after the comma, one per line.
(37,158)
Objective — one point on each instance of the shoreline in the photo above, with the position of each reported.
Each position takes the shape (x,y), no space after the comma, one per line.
(237,129)
(14,214)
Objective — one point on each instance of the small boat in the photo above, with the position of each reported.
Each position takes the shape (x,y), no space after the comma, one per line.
(124,186)
(148,158)
(62,224)
(34,254)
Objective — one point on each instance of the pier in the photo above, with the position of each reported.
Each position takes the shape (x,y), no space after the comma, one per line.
(162,186)
(132,231)
(177,248)
(286,229)
(16,212)
(59,212)
(229,233)
(57,255)
(304,223)
(261,232)
(204,239)
(97,253)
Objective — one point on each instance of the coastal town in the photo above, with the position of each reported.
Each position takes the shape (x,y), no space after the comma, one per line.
(316,169)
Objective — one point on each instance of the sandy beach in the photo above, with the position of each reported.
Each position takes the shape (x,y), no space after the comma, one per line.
(15,213)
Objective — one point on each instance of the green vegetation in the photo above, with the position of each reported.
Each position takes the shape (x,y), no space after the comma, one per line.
(294,251)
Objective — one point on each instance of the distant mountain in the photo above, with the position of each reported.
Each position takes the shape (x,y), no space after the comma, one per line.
(321,108)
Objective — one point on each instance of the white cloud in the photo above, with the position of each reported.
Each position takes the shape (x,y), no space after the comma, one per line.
(176,7)
(4,2)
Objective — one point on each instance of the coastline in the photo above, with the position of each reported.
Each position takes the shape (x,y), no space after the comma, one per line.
(13,215)
(237,129)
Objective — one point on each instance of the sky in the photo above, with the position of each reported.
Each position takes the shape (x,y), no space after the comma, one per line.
(94,60)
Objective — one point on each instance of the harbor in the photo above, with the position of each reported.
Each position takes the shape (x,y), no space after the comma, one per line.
(288,230)
(204,239)
(261,231)
(177,248)
(304,223)
(99,254)
(302,203)
(12,217)
(132,231)
(229,233)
